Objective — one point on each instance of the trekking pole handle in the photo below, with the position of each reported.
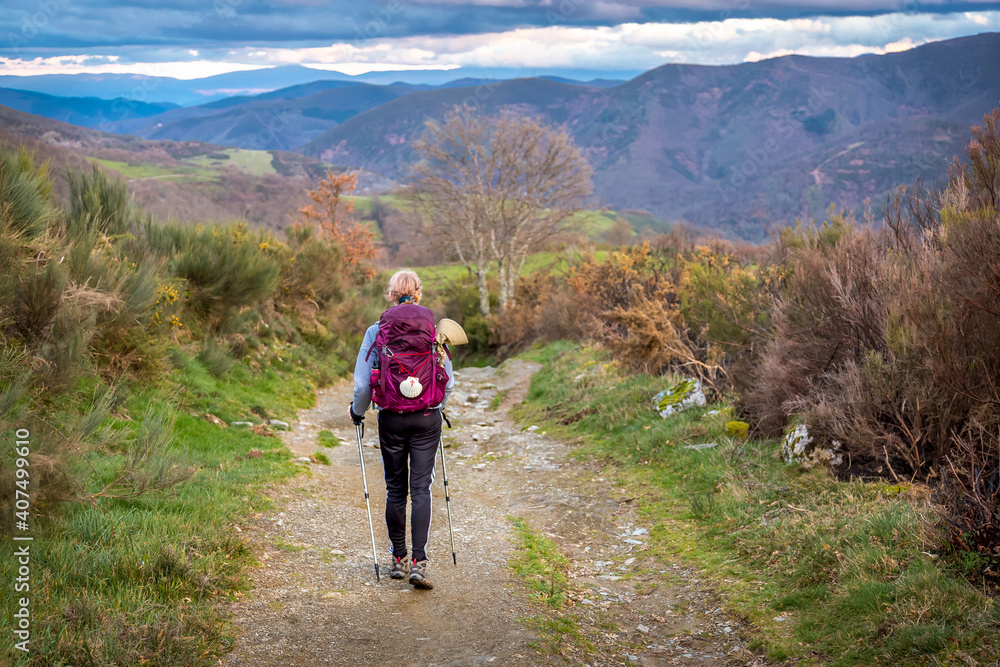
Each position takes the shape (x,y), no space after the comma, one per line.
(361,424)
(445,418)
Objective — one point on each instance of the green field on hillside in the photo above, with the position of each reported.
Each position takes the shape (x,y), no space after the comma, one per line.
(257,163)
(183,173)
(197,169)
(592,223)
(439,276)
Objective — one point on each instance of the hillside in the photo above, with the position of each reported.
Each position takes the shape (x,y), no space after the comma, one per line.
(732,147)
(85,111)
(281,120)
(187,181)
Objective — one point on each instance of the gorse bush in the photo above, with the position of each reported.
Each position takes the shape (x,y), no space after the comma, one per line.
(226,268)
(98,296)
(26,207)
(104,313)
(99,204)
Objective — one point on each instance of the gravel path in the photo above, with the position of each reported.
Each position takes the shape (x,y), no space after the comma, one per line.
(315,601)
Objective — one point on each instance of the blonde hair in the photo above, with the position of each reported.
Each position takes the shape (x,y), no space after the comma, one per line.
(403,283)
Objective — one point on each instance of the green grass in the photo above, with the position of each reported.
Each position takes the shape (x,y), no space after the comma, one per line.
(182,173)
(439,277)
(363,203)
(327,439)
(539,563)
(856,571)
(544,570)
(593,223)
(257,163)
(497,400)
(197,169)
(131,581)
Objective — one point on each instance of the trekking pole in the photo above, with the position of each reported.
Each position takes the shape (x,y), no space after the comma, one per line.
(447,497)
(364,482)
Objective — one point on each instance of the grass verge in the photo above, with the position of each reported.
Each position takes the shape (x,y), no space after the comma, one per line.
(544,570)
(826,572)
(138,580)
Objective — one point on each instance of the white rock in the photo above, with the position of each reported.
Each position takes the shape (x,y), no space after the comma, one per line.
(799,448)
(642,628)
(707,445)
(687,393)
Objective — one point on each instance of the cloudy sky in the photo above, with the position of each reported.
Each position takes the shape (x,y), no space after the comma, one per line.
(195,38)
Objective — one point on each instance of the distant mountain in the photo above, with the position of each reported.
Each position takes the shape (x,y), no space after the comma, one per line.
(732,147)
(176,91)
(593,83)
(282,119)
(189,92)
(185,181)
(85,111)
(277,120)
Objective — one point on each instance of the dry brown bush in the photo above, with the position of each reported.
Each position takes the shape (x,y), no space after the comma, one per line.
(888,341)
(544,310)
(630,302)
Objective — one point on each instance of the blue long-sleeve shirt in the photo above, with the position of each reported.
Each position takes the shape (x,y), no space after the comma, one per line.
(363,370)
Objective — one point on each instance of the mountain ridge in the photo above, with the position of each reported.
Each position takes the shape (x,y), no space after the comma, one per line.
(732,147)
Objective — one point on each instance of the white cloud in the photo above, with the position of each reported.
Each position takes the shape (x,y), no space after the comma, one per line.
(626,46)
(73,64)
(353,69)
(635,46)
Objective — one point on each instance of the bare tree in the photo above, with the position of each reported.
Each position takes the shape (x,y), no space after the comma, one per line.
(497,188)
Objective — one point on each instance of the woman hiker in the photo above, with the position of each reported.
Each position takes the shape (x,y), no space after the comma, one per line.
(400,367)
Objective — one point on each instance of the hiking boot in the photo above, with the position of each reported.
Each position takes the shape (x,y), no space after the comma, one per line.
(399,568)
(418,575)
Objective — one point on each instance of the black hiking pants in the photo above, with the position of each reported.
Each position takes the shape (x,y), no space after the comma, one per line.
(409,442)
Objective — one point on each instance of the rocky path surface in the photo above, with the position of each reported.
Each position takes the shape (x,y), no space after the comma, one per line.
(315,601)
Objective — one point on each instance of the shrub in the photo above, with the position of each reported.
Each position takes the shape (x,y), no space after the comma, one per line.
(886,341)
(227,268)
(26,206)
(631,303)
(99,204)
(544,310)
(214,358)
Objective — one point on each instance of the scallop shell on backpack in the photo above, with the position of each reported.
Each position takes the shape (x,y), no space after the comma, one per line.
(411,387)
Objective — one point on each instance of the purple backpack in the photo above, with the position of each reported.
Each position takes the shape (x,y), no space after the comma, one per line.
(408,376)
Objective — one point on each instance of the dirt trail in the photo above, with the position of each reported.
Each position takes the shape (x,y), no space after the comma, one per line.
(314,601)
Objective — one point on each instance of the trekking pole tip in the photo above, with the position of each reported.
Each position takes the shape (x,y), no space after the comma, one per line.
(454,560)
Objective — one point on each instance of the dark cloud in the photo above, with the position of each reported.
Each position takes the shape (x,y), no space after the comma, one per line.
(31,28)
